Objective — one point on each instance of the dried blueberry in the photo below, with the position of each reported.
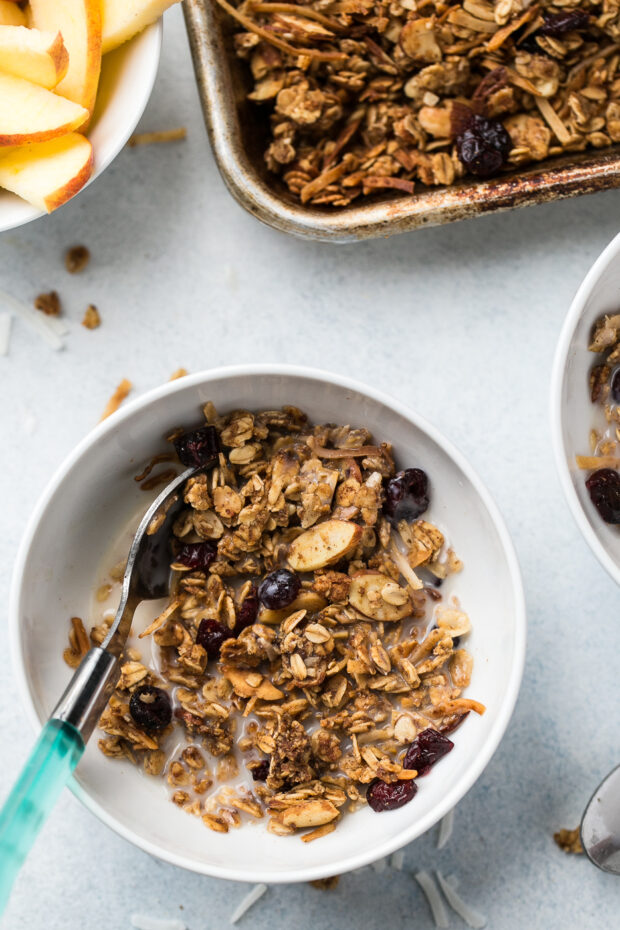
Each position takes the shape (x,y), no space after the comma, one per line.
(199,447)
(615,386)
(150,708)
(261,771)
(483,145)
(604,488)
(246,615)
(211,635)
(427,749)
(197,556)
(279,589)
(382,796)
(558,24)
(406,495)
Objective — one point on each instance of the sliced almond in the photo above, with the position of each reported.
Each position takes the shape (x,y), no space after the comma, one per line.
(365,595)
(323,545)
(239,680)
(306,600)
(309,814)
(453,621)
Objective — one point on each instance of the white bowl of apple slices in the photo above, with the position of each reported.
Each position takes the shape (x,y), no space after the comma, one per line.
(75,77)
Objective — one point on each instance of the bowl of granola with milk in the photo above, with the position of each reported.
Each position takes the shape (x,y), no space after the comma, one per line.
(342,643)
(585,408)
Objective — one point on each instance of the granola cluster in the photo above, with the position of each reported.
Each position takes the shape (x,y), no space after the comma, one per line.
(306,645)
(364,95)
(603,481)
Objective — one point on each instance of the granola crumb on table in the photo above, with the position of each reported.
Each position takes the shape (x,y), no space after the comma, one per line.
(301,655)
(360,96)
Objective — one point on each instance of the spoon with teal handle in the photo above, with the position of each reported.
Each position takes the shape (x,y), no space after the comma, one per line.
(63,739)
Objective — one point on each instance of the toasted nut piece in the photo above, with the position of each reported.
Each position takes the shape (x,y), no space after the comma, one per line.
(306,600)
(405,729)
(417,40)
(453,621)
(366,596)
(309,814)
(242,686)
(323,545)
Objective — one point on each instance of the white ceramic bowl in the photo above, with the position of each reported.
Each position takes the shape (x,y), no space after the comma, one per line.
(572,413)
(90,498)
(127,78)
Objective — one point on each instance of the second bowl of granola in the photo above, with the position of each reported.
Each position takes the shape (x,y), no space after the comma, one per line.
(585,409)
(345,641)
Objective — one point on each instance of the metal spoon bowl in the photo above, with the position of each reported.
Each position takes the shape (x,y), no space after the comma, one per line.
(600,825)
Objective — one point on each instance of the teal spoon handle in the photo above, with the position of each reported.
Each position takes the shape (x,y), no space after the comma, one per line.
(53,759)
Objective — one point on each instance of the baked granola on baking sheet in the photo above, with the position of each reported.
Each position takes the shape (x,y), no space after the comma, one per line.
(306,662)
(360,96)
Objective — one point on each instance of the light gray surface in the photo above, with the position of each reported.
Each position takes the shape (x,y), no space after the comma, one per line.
(460,323)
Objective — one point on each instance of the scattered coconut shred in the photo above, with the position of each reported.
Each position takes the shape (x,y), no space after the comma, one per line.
(471,917)
(143,922)
(5,333)
(397,860)
(446,827)
(249,901)
(435,902)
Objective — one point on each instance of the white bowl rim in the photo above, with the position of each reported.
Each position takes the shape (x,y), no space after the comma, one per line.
(453,796)
(600,266)
(156,30)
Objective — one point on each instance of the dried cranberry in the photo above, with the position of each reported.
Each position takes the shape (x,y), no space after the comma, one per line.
(406,495)
(150,708)
(558,24)
(382,796)
(261,771)
(615,386)
(246,615)
(483,145)
(604,488)
(199,447)
(211,635)
(427,748)
(279,589)
(197,556)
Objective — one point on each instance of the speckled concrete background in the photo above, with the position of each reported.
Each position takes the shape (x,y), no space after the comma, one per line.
(460,322)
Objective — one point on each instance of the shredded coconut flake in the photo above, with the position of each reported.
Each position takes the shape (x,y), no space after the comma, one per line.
(144,922)
(471,917)
(249,901)
(398,860)
(438,908)
(34,319)
(445,830)
(380,865)
(58,324)
(5,333)
(405,568)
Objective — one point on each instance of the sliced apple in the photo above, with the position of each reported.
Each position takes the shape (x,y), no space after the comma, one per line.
(39,57)
(29,113)
(323,545)
(11,14)
(123,19)
(376,596)
(49,173)
(79,21)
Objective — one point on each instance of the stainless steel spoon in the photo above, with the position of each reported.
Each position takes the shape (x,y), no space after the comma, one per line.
(600,825)
(71,723)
